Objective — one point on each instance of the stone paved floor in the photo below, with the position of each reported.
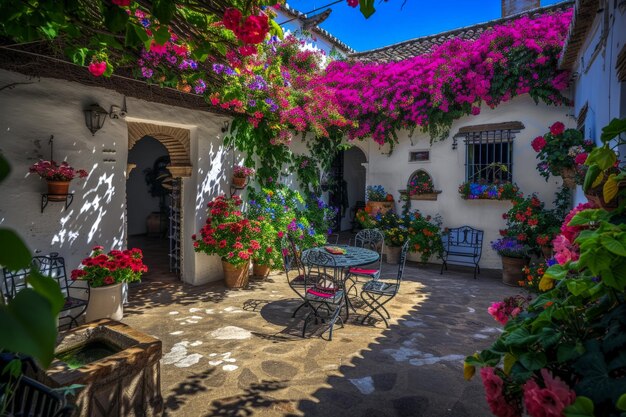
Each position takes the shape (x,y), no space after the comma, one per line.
(239,352)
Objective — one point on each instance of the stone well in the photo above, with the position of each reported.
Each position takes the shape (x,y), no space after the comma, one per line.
(127,382)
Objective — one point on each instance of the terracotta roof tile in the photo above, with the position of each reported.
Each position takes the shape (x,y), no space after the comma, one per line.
(418,46)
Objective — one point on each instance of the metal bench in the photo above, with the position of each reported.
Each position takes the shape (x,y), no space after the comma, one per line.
(462,245)
(52,266)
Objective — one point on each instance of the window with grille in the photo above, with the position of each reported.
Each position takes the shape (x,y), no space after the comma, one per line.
(489,151)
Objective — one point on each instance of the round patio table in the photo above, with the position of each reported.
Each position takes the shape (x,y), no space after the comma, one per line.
(354,256)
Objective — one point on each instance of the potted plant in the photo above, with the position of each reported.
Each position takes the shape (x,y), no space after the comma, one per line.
(241,174)
(483,190)
(420,187)
(514,258)
(268,256)
(105,273)
(562,152)
(228,234)
(424,234)
(57,176)
(378,200)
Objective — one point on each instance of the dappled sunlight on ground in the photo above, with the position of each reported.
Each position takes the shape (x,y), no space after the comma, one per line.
(239,353)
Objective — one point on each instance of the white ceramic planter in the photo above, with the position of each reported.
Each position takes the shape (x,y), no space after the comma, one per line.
(105,303)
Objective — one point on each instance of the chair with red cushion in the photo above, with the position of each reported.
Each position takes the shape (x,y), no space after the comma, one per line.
(324,291)
(372,239)
(294,270)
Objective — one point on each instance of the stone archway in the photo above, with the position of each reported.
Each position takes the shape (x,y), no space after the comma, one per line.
(176,140)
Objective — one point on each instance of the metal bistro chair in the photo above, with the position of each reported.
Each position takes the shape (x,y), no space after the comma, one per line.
(324,290)
(52,266)
(33,399)
(377,293)
(293,266)
(462,242)
(372,239)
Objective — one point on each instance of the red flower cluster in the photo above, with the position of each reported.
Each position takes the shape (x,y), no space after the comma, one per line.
(116,266)
(227,233)
(51,171)
(251,30)
(538,143)
(121,3)
(557,128)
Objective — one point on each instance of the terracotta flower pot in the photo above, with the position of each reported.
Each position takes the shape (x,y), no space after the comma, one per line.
(512,270)
(239,182)
(57,190)
(393,254)
(569,177)
(105,303)
(260,271)
(382,206)
(235,276)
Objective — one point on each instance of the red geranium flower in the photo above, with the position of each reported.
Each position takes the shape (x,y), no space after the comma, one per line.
(557,128)
(97,68)
(538,143)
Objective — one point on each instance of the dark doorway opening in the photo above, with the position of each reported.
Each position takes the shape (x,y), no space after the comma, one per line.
(347,190)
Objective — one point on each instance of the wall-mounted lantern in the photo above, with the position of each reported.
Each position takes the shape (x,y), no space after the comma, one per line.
(95,117)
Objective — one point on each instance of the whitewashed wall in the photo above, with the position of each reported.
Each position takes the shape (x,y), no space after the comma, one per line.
(447,168)
(596,82)
(33,112)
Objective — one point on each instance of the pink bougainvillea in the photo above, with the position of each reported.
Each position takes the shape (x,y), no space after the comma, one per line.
(432,90)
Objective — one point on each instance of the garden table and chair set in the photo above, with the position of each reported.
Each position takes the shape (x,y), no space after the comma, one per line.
(324,278)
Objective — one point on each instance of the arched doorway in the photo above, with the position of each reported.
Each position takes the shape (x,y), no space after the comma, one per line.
(158,159)
(348,193)
(148,194)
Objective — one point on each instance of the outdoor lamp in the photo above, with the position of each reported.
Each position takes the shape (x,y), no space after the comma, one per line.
(95,117)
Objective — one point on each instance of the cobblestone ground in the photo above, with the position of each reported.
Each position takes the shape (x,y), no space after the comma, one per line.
(239,352)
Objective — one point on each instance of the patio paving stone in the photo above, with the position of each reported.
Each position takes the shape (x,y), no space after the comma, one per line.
(239,352)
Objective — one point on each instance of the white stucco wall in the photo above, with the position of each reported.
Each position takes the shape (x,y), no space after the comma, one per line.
(596,82)
(447,168)
(33,112)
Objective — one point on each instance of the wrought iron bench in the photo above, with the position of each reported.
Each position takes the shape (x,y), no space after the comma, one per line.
(462,245)
(52,266)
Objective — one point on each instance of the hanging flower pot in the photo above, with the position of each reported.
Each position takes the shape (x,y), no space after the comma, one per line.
(235,276)
(58,190)
(569,177)
(239,182)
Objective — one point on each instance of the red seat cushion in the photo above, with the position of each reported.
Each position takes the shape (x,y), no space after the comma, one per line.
(323,294)
(362,271)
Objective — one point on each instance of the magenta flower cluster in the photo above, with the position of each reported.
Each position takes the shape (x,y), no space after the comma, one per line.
(430,91)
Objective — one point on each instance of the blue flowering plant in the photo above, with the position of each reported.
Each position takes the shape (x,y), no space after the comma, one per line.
(510,247)
(488,191)
(321,216)
(376,193)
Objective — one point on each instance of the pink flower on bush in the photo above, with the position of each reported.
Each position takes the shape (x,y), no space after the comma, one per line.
(502,311)
(538,143)
(557,128)
(549,401)
(497,311)
(564,250)
(494,390)
(97,68)
(580,158)
(353,3)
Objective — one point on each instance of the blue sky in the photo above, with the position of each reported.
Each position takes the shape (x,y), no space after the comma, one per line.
(391,23)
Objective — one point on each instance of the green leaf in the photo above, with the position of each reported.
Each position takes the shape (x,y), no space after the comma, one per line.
(588,216)
(28,326)
(621,402)
(604,157)
(568,352)
(161,35)
(582,407)
(610,189)
(613,245)
(163,10)
(115,18)
(613,129)
(5,168)
(49,288)
(533,361)
(14,254)
(556,271)
(578,286)
(367,8)
(276,30)
(509,361)
(519,337)
(592,173)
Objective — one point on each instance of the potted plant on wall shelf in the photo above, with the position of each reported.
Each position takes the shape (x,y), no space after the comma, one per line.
(105,273)
(228,234)
(241,174)
(57,176)
(378,200)
(420,187)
